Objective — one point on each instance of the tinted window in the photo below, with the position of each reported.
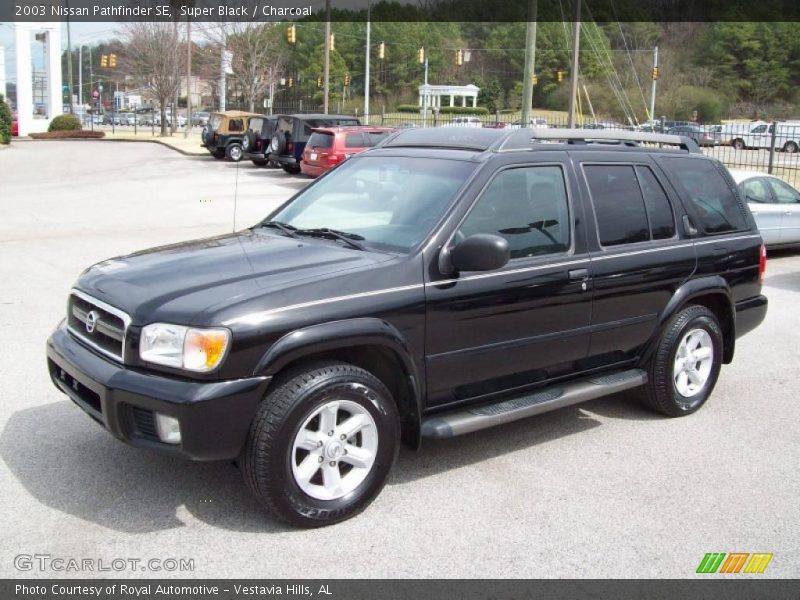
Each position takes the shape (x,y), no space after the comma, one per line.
(320,140)
(755,190)
(784,192)
(715,203)
(759,129)
(659,211)
(236,125)
(353,140)
(375,137)
(618,204)
(391,202)
(528,207)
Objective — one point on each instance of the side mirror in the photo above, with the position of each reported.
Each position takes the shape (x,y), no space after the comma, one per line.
(480,252)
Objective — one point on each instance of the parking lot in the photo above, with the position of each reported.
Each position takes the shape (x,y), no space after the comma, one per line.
(600,489)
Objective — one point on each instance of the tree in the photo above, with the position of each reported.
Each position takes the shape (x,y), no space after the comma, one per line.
(154,57)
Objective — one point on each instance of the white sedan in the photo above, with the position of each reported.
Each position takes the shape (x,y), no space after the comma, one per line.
(775,205)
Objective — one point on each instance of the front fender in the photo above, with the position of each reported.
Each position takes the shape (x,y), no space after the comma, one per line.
(715,286)
(350,333)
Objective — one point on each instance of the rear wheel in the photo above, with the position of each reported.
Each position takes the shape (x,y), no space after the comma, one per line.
(790,147)
(218,154)
(685,366)
(321,444)
(259,162)
(738,144)
(293,169)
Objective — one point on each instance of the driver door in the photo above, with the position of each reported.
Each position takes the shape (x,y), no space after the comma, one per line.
(528,321)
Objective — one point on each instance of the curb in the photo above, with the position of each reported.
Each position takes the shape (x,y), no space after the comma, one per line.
(107,139)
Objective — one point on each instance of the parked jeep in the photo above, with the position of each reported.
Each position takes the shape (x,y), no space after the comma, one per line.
(255,144)
(446,281)
(292,133)
(224,134)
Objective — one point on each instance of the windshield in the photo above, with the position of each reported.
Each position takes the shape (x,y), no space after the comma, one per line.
(390,202)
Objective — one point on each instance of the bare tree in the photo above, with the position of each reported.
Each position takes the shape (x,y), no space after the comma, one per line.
(155,59)
(258,55)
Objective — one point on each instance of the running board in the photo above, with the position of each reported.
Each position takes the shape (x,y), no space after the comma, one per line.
(467,420)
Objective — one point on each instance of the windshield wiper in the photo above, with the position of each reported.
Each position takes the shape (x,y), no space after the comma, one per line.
(285,228)
(325,232)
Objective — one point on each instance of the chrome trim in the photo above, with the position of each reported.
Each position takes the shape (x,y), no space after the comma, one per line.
(126,320)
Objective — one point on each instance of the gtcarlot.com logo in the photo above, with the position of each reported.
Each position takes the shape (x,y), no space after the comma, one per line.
(734,562)
(71,564)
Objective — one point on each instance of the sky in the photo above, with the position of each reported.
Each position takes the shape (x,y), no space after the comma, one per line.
(81,33)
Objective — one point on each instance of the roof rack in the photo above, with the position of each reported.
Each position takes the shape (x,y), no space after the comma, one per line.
(522,139)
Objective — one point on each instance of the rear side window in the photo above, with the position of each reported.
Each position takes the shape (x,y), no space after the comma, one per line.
(256,124)
(320,140)
(755,190)
(715,203)
(659,211)
(618,204)
(236,125)
(353,140)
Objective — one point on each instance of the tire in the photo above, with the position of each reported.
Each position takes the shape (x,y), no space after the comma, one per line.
(277,144)
(671,389)
(218,154)
(790,147)
(233,152)
(292,169)
(248,141)
(738,144)
(259,162)
(282,472)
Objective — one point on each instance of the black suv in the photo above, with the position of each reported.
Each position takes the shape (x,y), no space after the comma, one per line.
(292,132)
(446,281)
(255,144)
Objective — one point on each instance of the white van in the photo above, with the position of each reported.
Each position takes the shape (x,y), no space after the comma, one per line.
(759,135)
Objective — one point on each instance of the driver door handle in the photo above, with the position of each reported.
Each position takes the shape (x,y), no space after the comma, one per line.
(579,275)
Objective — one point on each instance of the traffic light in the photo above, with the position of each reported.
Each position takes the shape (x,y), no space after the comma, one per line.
(319,82)
(655,73)
(104,61)
(347,80)
(112,61)
(291,82)
(421,55)
(560,75)
(291,34)
(333,39)
(382,51)
(459,57)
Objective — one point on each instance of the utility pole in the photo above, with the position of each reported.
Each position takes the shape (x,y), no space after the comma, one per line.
(80,77)
(573,81)
(188,76)
(366,67)
(425,95)
(653,86)
(327,67)
(222,77)
(530,63)
(69,67)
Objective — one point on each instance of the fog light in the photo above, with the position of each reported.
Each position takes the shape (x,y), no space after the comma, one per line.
(168,428)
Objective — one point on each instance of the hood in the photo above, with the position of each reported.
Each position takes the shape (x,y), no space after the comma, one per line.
(176,283)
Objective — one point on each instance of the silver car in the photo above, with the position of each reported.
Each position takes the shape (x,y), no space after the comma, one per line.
(775,205)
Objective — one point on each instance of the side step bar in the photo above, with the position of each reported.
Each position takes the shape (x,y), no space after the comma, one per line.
(467,420)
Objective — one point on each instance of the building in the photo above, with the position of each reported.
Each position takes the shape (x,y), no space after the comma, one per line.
(455,95)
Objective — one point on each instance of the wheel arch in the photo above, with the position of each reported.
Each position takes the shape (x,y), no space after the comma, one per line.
(714,293)
(372,344)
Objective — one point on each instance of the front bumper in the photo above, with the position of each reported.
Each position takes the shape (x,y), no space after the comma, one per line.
(215,416)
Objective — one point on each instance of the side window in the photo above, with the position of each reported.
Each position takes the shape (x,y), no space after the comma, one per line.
(528,207)
(755,190)
(714,201)
(236,125)
(618,204)
(354,140)
(785,194)
(659,211)
(759,129)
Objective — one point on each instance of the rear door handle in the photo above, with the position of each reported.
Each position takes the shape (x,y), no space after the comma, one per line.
(579,274)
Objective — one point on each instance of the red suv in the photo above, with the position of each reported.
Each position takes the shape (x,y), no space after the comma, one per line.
(329,146)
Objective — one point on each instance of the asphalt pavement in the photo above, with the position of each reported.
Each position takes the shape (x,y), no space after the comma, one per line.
(603,489)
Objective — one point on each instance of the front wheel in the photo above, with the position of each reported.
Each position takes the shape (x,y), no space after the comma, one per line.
(234,152)
(321,444)
(685,366)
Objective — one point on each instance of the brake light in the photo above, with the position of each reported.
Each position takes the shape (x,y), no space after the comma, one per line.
(290,147)
(762,263)
(334,158)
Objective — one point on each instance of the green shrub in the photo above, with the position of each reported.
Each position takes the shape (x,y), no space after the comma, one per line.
(5,121)
(445,110)
(65,123)
(83,134)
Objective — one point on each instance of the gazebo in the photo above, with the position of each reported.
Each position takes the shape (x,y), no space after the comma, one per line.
(459,95)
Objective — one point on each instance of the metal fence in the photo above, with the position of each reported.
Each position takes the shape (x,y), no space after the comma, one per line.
(769,147)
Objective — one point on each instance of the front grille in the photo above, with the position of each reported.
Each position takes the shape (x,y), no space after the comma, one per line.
(72,386)
(101,326)
(144,423)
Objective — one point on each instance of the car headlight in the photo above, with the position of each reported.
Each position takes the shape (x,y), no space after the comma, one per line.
(182,347)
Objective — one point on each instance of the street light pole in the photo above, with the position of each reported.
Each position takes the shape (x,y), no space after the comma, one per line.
(573,81)
(327,66)
(653,87)
(188,77)
(366,67)
(530,63)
